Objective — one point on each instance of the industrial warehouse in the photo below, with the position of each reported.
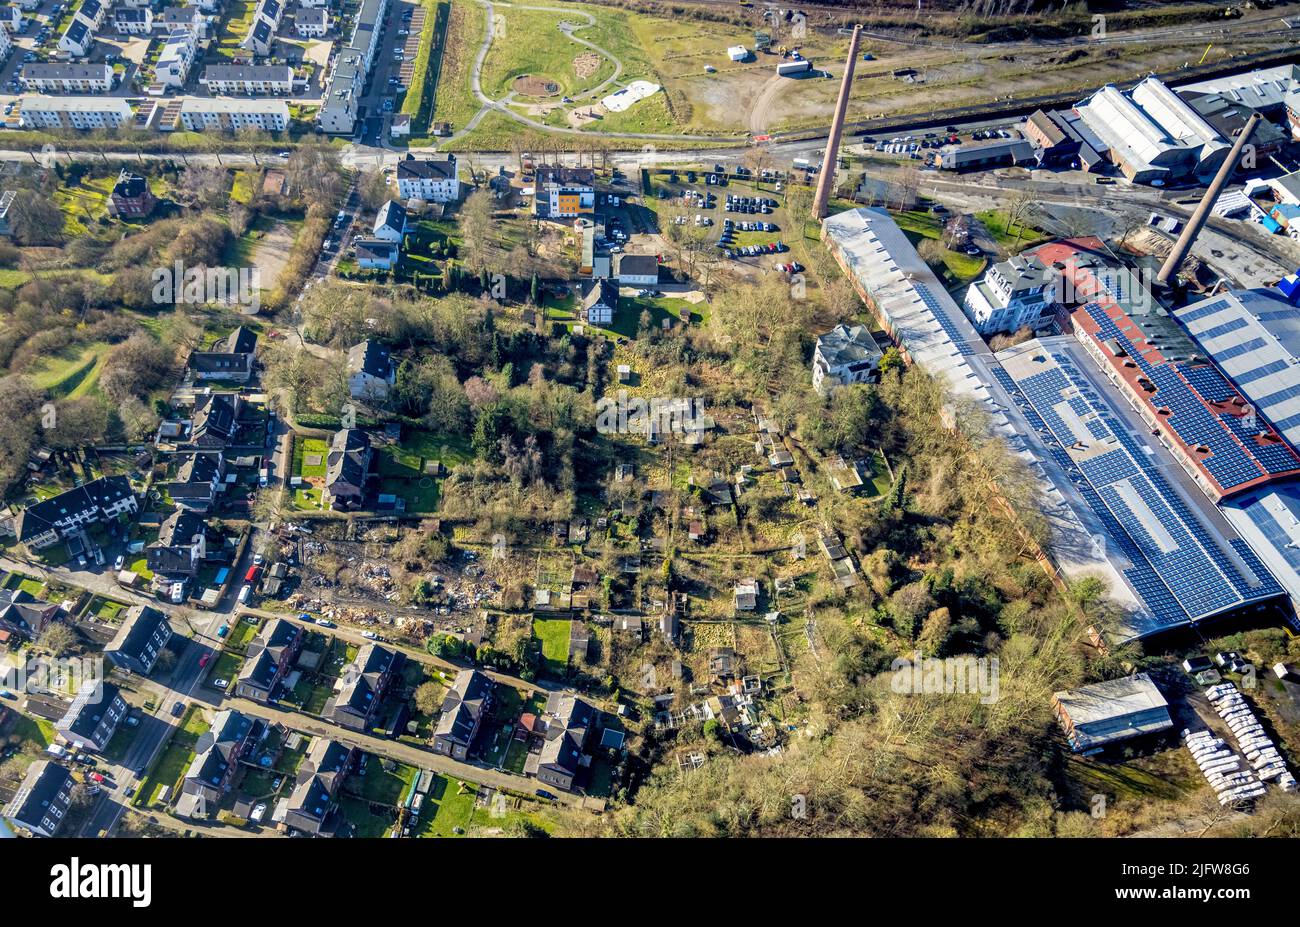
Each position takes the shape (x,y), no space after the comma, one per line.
(1080,408)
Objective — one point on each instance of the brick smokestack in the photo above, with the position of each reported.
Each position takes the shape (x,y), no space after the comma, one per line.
(826,182)
(1202,213)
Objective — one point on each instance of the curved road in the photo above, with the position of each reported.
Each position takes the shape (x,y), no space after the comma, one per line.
(499,106)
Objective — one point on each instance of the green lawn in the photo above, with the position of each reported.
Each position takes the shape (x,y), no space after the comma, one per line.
(448,806)
(384,787)
(418,99)
(309,447)
(454,100)
(516,756)
(175,759)
(554,636)
(73,373)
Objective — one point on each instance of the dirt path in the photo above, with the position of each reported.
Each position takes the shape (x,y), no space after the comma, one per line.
(760,113)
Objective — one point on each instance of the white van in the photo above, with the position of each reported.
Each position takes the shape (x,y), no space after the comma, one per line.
(244,594)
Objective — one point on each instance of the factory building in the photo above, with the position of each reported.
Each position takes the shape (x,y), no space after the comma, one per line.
(1151,134)
(1116,505)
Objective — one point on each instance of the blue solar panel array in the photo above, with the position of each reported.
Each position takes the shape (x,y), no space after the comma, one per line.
(955,334)
(1234,457)
(1195,577)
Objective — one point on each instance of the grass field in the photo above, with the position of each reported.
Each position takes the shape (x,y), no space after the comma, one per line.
(453,100)
(554,637)
(73,374)
(235,28)
(418,99)
(175,759)
(529,42)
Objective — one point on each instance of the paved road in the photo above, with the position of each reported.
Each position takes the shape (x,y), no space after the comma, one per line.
(395,749)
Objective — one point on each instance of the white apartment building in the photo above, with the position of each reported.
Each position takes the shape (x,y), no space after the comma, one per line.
(198,114)
(133,20)
(430,179)
(311,23)
(78,40)
(176,59)
(43,112)
(1016,293)
(52,77)
(247,78)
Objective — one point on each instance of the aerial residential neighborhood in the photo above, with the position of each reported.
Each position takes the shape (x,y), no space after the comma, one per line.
(461,419)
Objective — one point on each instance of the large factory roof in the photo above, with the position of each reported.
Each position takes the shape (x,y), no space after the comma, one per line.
(1209,572)
(1151,127)
(912,303)
(1254,338)
(1177,555)
(1196,409)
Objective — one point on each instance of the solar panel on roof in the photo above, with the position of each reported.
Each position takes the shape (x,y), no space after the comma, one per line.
(1179,570)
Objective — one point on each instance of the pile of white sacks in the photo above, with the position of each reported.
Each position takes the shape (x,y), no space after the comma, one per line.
(1221,766)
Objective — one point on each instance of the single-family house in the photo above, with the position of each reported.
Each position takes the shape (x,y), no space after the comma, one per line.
(347,468)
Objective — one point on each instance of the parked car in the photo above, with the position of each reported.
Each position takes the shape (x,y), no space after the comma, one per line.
(178,709)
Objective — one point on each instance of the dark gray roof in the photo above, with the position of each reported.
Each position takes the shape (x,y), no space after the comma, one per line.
(53,70)
(248,72)
(40,789)
(602,292)
(77,32)
(391,215)
(638,264)
(215,416)
(376,249)
(86,711)
(413,168)
(462,707)
(266,651)
(370,357)
(568,730)
(216,749)
(138,627)
(348,460)
(38,518)
(363,680)
(181,527)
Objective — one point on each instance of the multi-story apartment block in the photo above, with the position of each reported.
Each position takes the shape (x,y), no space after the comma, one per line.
(177,56)
(430,179)
(247,78)
(53,77)
(42,112)
(198,115)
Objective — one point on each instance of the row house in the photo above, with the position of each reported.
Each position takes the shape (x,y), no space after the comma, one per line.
(247,78)
(55,77)
(45,523)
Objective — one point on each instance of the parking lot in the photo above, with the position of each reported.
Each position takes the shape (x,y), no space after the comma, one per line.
(742,216)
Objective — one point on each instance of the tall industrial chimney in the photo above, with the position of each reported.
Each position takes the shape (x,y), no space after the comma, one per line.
(1202,213)
(826,182)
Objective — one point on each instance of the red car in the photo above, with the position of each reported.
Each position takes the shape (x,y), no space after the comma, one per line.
(96,777)
(203,660)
